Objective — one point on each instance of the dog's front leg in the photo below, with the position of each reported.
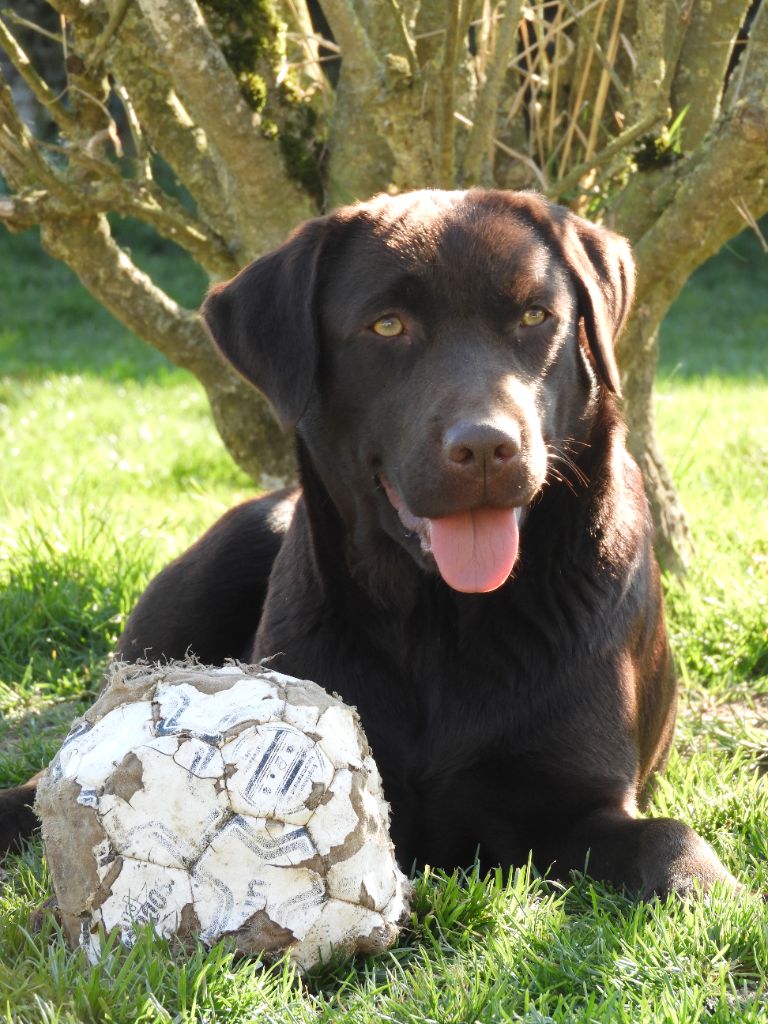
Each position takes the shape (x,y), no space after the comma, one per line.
(17,819)
(647,856)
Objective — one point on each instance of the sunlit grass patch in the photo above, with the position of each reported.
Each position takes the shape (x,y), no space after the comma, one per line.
(716,439)
(129,443)
(581,953)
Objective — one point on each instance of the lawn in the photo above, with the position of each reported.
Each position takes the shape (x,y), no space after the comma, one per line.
(111,466)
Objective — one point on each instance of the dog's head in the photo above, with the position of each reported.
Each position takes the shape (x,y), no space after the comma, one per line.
(438,352)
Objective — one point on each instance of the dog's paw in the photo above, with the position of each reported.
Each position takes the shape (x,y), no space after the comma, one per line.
(675,859)
(17,819)
(38,915)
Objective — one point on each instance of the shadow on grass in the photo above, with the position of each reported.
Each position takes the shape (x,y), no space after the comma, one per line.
(28,741)
(719,322)
(51,324)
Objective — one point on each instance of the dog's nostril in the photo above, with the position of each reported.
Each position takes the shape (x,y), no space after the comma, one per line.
(460,453)
(505,452)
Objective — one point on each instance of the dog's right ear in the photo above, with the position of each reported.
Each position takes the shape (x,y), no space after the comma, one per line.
(263,321)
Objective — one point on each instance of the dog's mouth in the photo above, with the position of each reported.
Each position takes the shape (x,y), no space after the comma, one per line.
(475,550)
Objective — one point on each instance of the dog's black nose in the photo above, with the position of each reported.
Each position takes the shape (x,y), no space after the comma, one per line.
(481,449)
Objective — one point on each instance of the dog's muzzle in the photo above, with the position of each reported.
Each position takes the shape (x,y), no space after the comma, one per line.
(475,550)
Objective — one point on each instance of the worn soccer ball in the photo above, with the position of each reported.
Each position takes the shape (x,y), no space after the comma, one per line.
(217,802)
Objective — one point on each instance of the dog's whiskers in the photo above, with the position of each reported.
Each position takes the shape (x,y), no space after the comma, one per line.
(555,474)
(555,453)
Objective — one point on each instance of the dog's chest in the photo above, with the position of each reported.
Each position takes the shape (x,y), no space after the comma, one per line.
(448,685)
(441,696)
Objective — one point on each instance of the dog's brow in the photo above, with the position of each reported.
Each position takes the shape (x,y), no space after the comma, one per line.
(403,290)
(538,266)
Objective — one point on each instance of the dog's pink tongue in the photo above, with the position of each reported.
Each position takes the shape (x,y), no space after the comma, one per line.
(475,551)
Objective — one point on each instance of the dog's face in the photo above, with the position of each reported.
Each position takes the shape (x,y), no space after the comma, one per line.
(439,352)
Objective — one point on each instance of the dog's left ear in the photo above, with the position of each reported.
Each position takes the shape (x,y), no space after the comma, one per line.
(263,321)
(604,274)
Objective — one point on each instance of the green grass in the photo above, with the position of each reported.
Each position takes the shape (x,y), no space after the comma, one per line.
(111,465)
(712,407)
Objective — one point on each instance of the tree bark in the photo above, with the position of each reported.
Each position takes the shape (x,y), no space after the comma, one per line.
(674,541)
(704,57)
(694,207)
(264,204)
(383,132)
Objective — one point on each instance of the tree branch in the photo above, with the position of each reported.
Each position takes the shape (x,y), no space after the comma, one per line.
(481,135)
(608,76)
(171,131)
(248,429)
(406,41)
(360,159)
(731,161)
(749,76)
(446,160)
(655,51)
(265,202)
(85,243)
(309,42)
(581,81)
(116,18)
(134,60)
(595,49)
(513,154)
(702,66)
(147,202)
(100,188)
(21,212)
(20,159)
(40,89)
(620,144)
(349,33)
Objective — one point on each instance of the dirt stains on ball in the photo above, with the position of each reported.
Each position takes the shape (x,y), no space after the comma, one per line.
(218,802)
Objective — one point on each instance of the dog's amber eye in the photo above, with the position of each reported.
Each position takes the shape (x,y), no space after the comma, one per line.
(389,326)
(533,317)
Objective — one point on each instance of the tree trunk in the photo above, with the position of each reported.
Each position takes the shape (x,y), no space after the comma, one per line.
(674,542)
(678,217)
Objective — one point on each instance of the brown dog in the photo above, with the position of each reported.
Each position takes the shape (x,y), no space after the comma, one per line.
(469,561)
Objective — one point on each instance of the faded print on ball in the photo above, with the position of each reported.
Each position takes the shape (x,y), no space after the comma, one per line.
(279,772)
(221,802)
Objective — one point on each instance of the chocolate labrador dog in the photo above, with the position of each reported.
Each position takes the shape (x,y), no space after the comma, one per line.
(469,558)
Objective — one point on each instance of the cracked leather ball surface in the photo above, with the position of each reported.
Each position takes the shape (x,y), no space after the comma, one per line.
(216,802)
